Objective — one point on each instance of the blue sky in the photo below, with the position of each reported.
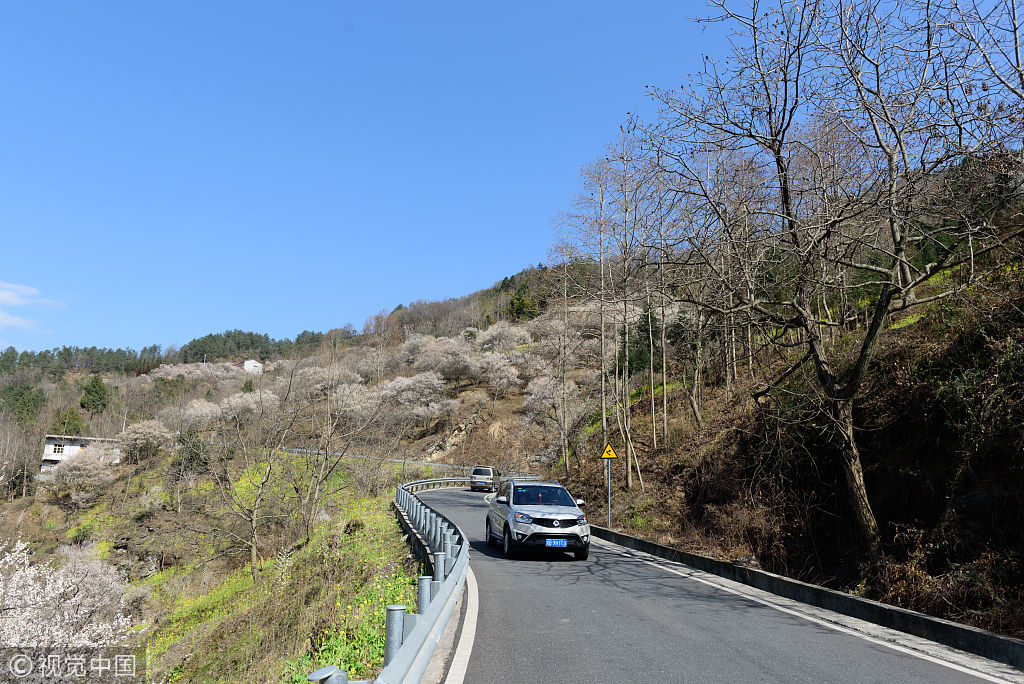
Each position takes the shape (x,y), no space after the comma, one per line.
(173,169)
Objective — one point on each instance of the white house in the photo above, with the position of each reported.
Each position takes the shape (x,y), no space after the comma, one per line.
(253,366)
(57,448)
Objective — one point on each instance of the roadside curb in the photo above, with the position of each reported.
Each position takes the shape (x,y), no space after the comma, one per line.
(971,639)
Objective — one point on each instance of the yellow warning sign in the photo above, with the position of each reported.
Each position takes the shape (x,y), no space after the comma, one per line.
(608,452)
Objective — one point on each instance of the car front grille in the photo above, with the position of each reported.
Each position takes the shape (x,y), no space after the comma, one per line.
(550,522)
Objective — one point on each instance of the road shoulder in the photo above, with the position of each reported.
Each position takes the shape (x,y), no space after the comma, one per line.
(921,648)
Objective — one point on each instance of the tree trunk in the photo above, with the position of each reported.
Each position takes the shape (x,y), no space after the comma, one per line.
(254,558)
(564,344)
(650,358)
(664,351)
(604,374)
(849,457)
(625,386)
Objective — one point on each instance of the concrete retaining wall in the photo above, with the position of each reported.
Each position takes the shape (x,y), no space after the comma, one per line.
(963,637)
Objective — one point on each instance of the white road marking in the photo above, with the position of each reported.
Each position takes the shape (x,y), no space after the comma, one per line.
(460,661)
(664,565)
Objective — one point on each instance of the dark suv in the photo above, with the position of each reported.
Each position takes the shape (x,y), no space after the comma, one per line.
(484,478)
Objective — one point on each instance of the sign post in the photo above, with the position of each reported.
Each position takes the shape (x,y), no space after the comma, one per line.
(608,455)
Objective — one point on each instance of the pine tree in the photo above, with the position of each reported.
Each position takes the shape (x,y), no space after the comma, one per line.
(69,422)
(96,397)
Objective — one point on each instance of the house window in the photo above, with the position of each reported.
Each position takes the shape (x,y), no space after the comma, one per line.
(58,448)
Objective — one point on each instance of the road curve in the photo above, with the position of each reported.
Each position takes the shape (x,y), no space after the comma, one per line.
(619,618)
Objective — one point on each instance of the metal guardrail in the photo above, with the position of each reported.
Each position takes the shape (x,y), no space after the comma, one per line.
(411,638)
(407,462)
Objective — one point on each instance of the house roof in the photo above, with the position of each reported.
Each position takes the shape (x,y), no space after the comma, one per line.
(82,438)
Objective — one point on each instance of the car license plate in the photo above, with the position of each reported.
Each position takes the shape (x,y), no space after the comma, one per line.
(554,542)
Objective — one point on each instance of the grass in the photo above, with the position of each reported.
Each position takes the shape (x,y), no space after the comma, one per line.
(906,321)
(192,613)
(320,603)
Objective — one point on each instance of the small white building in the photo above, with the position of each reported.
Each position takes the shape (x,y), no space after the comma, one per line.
(57,448)
(253,366)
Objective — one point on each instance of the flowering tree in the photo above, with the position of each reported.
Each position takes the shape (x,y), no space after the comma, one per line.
(413,347)
(195,415)
(199,372)
(502,337)
(143,440)
(549,401)
(452,358)
(529,364)
(409,392)
(76,605)
(500,374)
(246,407)
(420,396)
(355,403)
(77,481)
(314,383)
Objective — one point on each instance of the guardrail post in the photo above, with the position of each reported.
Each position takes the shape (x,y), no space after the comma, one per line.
(332,674)
(435,584)
(449,557)
(422,594)
(394,630)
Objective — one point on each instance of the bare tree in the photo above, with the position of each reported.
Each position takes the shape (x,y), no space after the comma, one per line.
(245,465)
(804,161)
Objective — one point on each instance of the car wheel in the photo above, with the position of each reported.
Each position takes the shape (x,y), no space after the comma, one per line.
(582,555)
(487,533)
(507,547)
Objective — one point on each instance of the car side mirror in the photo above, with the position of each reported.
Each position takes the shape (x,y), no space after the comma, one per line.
(580,502)
(501,500)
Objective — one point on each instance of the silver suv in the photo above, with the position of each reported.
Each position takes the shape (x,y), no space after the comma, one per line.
(537,515)
(484,477)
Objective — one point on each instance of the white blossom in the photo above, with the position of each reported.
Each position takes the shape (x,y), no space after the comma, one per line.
(78,604)
(245,406)
(77,481)
(356,402)
(198,371)
(502,337)
(451,357)
(195,415)
(413,346)
(316,382)
(143,440)
(499,373)
(409,392)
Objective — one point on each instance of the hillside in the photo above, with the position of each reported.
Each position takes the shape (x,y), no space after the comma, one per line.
(938,425)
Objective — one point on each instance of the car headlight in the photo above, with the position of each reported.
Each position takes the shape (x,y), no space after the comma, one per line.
(524,518)
(582,520)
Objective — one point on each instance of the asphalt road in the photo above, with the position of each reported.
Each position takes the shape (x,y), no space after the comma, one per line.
(619,618)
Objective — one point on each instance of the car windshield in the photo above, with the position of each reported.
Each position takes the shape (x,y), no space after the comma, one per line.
(541,496)
(481,471)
